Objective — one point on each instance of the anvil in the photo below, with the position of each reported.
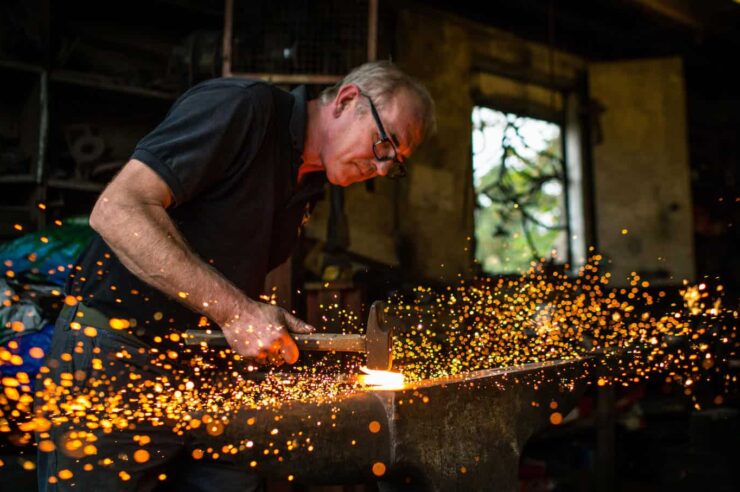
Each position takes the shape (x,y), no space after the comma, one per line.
(461,433)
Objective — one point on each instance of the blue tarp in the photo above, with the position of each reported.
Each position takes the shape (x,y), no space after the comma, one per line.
(38,256)
(31,365)
(41,259)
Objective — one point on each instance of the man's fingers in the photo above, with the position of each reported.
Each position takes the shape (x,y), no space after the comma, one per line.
(296,325)
(261,357)
(288,348)
(276,359)
(270,337)
(276,345)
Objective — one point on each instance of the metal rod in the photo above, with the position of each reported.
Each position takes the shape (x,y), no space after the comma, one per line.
(43,141)
(228,30)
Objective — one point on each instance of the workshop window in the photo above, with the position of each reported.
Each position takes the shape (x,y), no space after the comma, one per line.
(520,187)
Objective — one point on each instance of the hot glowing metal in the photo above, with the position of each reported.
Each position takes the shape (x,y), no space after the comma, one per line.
(381,380)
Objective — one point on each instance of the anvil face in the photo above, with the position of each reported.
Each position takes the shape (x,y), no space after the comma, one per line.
(458,433)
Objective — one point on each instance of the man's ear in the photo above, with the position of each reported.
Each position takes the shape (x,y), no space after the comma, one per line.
(346,98)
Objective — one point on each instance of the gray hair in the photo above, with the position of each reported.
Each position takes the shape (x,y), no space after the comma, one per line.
(381,80)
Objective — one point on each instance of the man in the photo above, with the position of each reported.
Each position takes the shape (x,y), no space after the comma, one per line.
(210,201)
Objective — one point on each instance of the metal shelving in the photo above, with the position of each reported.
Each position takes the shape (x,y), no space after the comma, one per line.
(21,192)
(103,82)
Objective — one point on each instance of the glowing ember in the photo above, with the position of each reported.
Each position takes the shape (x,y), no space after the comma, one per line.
(381,380)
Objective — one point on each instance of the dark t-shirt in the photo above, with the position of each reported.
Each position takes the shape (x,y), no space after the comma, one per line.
(229,150)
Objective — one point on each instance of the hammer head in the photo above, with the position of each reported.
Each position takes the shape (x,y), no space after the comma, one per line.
(379,339)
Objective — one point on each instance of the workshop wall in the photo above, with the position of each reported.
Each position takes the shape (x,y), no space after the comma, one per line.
(425,223)
(641,170)
(434,205)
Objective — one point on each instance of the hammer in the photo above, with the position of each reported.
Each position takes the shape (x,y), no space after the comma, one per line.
(377,342)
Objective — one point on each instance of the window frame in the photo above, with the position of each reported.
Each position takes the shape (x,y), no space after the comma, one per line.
(524,108)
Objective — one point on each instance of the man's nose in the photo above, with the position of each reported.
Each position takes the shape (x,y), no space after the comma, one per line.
(382,167)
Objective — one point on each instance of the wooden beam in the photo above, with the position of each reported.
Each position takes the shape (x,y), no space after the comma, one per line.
(523,74)
(291,78)
(678,11)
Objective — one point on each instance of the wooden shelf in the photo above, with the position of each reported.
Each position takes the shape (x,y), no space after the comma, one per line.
(21,67)
(17,179)
(48,94)
(105,83)
(330,285)
(15,208)
(76,184)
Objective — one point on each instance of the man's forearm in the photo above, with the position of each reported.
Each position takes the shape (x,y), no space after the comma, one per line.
(146,241)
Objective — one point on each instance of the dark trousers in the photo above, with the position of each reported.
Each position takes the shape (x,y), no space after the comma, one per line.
(82,456)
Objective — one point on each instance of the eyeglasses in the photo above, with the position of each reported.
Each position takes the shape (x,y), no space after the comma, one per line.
(384,149)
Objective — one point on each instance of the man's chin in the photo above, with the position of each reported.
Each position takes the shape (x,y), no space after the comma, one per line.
(335,180)
(341,180)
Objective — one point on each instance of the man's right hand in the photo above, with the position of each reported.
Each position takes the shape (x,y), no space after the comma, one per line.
(262,332)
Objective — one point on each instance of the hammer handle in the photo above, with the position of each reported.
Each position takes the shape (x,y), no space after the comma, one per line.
(327,342)
(321,342)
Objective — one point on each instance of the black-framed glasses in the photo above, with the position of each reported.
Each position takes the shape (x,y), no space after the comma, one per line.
(384,149)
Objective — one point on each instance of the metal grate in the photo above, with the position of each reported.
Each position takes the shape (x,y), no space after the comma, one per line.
(299,37)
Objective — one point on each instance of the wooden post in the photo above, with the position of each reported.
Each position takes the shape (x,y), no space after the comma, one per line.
(372,30)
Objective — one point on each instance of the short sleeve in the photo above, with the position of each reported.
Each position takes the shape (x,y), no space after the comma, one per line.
(209,130)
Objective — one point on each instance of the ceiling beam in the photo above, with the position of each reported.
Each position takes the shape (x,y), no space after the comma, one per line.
(678,11)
